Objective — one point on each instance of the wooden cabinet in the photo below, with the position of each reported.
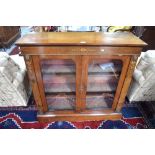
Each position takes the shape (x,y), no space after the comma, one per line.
(8,34)
(78,76)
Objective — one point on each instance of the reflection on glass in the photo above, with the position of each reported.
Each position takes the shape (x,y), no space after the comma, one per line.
(103,76)
(59,83)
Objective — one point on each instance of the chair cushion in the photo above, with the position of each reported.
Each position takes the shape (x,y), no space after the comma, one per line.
(142,87)
(13,91)
(3,58)
(19,60)
(11,68)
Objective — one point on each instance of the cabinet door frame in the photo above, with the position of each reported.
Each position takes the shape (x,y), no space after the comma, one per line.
(81,63)
(85,63)
(37,67)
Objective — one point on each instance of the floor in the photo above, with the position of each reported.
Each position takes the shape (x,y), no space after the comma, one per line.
(26,118)
(148,111)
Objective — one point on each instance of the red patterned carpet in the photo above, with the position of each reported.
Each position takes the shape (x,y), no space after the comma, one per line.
(15,121)
(25,118)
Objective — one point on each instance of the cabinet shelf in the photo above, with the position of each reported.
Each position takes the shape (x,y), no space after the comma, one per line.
(99,101)
(67,102)
(62,67)
(66,83)
(102,101)
(61,102)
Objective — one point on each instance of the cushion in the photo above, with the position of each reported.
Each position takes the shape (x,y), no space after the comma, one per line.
(3,58)
(13,91)
(19,60)
(11,68)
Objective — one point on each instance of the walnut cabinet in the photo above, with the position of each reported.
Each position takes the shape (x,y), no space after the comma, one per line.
(78,76)
(8,35)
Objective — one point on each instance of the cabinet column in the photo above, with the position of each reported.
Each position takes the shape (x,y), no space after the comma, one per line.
(127,82)
(33,82)
(37,69)
(84,81)
(78,82)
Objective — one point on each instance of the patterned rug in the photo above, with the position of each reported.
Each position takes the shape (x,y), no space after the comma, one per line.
(25,118)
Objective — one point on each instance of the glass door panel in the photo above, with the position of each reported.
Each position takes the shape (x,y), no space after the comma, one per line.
(59,83)
(103,77)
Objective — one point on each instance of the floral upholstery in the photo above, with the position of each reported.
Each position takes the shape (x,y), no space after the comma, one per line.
(14,85)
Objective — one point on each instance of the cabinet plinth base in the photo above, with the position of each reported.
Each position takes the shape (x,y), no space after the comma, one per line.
(73,116)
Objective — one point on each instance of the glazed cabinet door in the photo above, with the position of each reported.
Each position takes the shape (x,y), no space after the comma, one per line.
(102,81)
(58,81)
(78,83)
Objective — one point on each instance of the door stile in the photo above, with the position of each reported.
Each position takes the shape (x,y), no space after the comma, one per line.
(84,81)
(127,82)
(36,63)
(78,61)
(125,61)
(33,82)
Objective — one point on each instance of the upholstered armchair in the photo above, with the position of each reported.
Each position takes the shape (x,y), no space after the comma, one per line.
(143,84)
(14,86)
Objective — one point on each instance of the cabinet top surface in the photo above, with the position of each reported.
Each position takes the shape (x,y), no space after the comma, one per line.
(80,38)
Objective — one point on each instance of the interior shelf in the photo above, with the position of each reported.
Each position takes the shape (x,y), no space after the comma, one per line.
(61,102)
(61,66)
(67,102)
(99,101)
(66,83)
